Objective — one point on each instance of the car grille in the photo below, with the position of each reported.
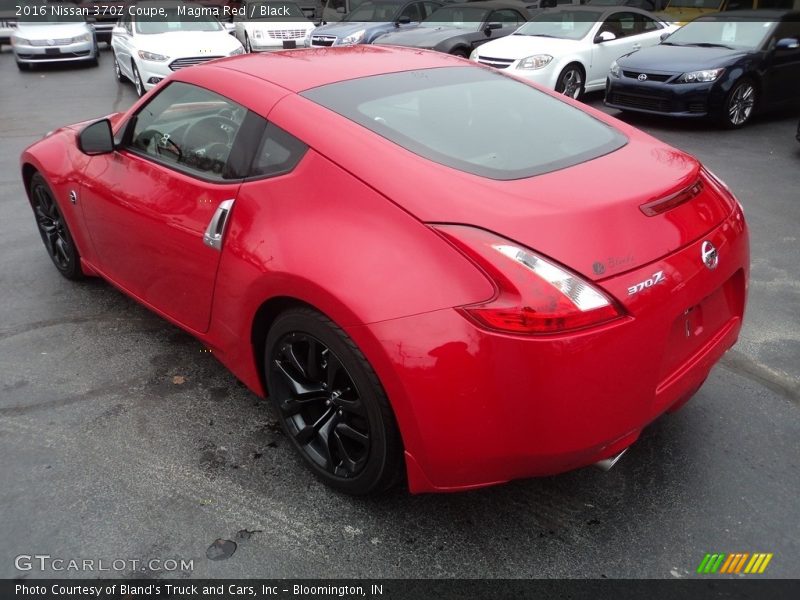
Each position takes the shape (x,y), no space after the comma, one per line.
(497,63)
(650,76)
(55,42)
(286,34)
(640,101)
(323,40)
(180,63)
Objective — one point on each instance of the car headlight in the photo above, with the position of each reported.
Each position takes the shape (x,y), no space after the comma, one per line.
(474,54)
(355,38)
(614,70)
(537,61)
(700,76)
(20,40)
(145,55)
(239,50)
(86,37)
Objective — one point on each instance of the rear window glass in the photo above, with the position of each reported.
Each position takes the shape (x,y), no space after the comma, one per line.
(472,119)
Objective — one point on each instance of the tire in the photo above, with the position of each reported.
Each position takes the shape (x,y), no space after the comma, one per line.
(53,228)
(137,80)
(740,104)
(117,71)
(341,423)
(247,47)
(460,52)
(571,81)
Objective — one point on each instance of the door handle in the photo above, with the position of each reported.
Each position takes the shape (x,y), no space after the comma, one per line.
(216,228)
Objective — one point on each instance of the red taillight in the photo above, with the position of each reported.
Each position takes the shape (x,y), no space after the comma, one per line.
(534,294)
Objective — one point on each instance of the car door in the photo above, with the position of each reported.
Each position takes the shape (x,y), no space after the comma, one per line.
(623,24)
(783,65)
(156,208)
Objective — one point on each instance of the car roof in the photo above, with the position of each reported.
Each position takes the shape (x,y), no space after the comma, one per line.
(299,70)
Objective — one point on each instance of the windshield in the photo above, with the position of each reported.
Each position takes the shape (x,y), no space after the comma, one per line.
(739,34)
(374,11)
(55,19)
(172,22)
(456,16)
(274,11)
(472,119)
(705,4)
(565,24)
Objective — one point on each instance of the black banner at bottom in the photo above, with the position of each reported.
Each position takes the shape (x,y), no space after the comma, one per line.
(400,589)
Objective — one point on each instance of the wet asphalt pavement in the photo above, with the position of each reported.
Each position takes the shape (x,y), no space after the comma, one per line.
(121,439)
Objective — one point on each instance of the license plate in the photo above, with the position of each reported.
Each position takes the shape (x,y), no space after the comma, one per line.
(52,51)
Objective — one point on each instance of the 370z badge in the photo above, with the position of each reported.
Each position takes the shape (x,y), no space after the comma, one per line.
(657,277)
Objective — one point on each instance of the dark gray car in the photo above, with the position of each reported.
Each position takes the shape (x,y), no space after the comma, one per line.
(371,19)
(460,28)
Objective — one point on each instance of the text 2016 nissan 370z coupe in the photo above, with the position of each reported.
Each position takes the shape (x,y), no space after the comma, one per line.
(551,282)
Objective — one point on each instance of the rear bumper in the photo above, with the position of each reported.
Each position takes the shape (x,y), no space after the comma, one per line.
(477,408)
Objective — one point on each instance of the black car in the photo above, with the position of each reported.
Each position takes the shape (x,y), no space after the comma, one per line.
(459,28)
(726,66)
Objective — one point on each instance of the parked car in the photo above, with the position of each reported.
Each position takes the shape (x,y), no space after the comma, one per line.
(371,19)
(263,204)
(570,49)
(59,39)
(460,28)
(259,33)
(726,66)
(683,11)
(146,50)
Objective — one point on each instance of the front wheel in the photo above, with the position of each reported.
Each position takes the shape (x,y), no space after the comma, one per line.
(740,104)
(53,229)
(137,81)
(331,404)
(247,47)
(117,71)
(570,81)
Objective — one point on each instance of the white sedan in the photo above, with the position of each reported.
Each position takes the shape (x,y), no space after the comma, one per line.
(271,25)
(571,49)
(146,50)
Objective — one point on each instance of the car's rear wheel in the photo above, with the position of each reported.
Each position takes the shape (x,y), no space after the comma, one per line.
(137,80)
(53,229)
(331,404)
(117,71)
(740,104)
(571,81)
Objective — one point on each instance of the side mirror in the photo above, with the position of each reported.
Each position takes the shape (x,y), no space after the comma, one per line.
(665,35)
(605,36)
(404,20)
(96,138)
(487,31)
(118,30)
(787,44)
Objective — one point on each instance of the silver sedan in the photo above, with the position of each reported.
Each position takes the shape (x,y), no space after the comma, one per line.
(54,41)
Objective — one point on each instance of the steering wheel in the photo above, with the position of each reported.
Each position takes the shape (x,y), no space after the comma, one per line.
(210,130)
(163,145)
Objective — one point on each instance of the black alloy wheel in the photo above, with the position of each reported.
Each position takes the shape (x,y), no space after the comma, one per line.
(117,71)
(330,403)
(740,104)
(53,229)
(137,81)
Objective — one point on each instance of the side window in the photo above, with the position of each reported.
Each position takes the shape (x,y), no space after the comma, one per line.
(189,128)
(506,16)
(412,11)
(430,8)
(621,24)
(648,24)
(279,153)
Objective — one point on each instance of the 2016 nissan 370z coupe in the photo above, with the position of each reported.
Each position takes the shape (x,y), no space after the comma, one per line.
(432,268)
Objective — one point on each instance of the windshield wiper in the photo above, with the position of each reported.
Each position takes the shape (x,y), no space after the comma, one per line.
(709,45)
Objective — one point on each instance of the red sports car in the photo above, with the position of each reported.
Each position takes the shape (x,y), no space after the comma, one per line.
(432,268)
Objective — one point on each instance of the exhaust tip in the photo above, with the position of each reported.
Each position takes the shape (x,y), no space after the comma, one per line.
(607,463)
